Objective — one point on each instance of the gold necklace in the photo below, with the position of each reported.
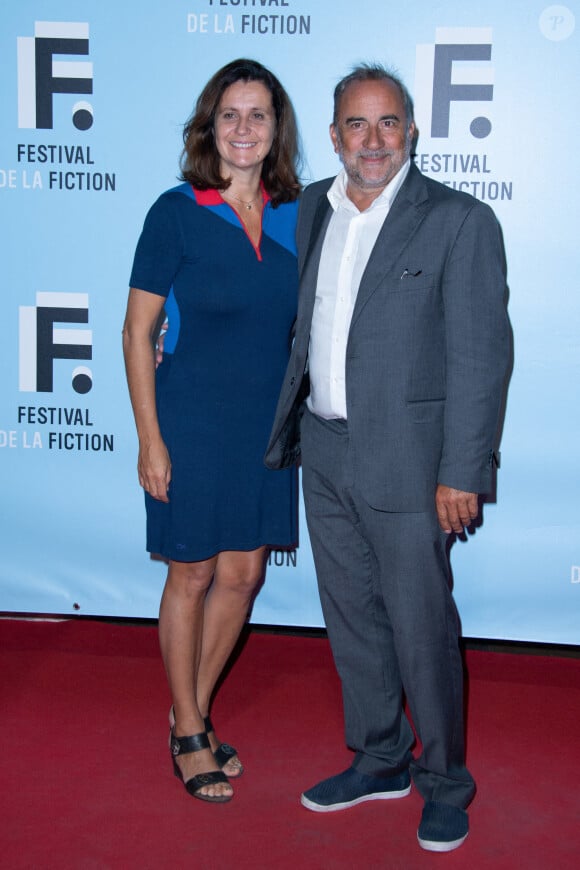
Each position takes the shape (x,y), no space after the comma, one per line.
(247,202)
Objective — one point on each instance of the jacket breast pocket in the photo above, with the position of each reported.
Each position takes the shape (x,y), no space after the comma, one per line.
(411,280)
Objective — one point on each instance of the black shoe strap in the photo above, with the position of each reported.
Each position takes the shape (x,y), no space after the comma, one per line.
(185,745)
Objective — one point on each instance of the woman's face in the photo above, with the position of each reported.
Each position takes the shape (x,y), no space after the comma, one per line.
(245,124)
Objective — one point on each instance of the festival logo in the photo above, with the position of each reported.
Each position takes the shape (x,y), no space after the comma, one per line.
(454,93)
(455,69)
(42,75)
(51,75)
(44,338)
(42,341)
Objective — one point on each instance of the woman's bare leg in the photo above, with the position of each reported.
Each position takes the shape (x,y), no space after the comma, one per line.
(236,577)
(181,631)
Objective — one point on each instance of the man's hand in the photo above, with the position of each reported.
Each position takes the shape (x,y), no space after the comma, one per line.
(455,508)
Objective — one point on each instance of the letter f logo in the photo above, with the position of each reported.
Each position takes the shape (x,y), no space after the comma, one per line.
(450,71)
(40,76)
(41,342)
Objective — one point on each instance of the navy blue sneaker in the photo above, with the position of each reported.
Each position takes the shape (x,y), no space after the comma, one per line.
(443,827)
(349,788)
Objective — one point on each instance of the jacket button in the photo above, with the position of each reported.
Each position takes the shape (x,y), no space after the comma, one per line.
(292,381)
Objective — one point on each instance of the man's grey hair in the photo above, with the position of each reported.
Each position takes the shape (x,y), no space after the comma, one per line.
(373,72)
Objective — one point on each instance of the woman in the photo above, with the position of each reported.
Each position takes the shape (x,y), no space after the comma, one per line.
(218,254)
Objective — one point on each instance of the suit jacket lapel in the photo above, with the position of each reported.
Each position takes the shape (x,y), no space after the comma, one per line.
(404,217)
(309,274)
(320,222)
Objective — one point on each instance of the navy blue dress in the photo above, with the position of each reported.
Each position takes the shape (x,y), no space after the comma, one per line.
(231,307)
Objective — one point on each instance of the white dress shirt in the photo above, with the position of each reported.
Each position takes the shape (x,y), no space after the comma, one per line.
(349,241)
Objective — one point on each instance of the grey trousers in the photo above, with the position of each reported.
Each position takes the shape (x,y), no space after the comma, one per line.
(384,586)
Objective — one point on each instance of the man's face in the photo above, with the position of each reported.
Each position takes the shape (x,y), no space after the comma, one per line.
(370,135)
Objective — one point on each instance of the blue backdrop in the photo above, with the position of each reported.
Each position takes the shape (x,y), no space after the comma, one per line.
(93,97)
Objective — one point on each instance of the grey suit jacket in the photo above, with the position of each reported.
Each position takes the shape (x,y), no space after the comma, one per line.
(428,348)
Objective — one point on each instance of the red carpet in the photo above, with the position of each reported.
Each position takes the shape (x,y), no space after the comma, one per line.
(87,780)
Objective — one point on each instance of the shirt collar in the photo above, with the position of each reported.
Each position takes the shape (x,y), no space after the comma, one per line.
(338,198)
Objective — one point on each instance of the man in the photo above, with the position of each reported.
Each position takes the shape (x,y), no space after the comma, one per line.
(401,348)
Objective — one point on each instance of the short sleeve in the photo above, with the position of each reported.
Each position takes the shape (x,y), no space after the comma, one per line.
(159,249)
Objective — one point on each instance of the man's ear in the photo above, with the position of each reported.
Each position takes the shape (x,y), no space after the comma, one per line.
(334,137)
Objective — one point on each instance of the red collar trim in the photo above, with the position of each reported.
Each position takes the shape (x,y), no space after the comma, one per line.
(212,196)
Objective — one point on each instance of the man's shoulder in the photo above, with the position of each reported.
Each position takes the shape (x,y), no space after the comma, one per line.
(317,189)
(309,201)
(442,195)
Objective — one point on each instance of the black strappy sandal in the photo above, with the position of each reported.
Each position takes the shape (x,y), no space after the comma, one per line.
(184,745)
(224,753)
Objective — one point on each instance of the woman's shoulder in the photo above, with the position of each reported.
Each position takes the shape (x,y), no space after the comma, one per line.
(178,195)
(177,204)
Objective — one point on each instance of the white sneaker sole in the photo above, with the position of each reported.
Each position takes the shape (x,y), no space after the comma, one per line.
(439,846)
(333,808)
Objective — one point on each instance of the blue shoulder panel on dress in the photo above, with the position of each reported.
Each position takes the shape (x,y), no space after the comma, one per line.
(183,188)
(280,224)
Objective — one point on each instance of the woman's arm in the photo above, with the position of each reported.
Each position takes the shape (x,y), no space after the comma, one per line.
(140,331)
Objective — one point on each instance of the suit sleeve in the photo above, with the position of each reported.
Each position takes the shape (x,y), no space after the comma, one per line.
(478,349)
